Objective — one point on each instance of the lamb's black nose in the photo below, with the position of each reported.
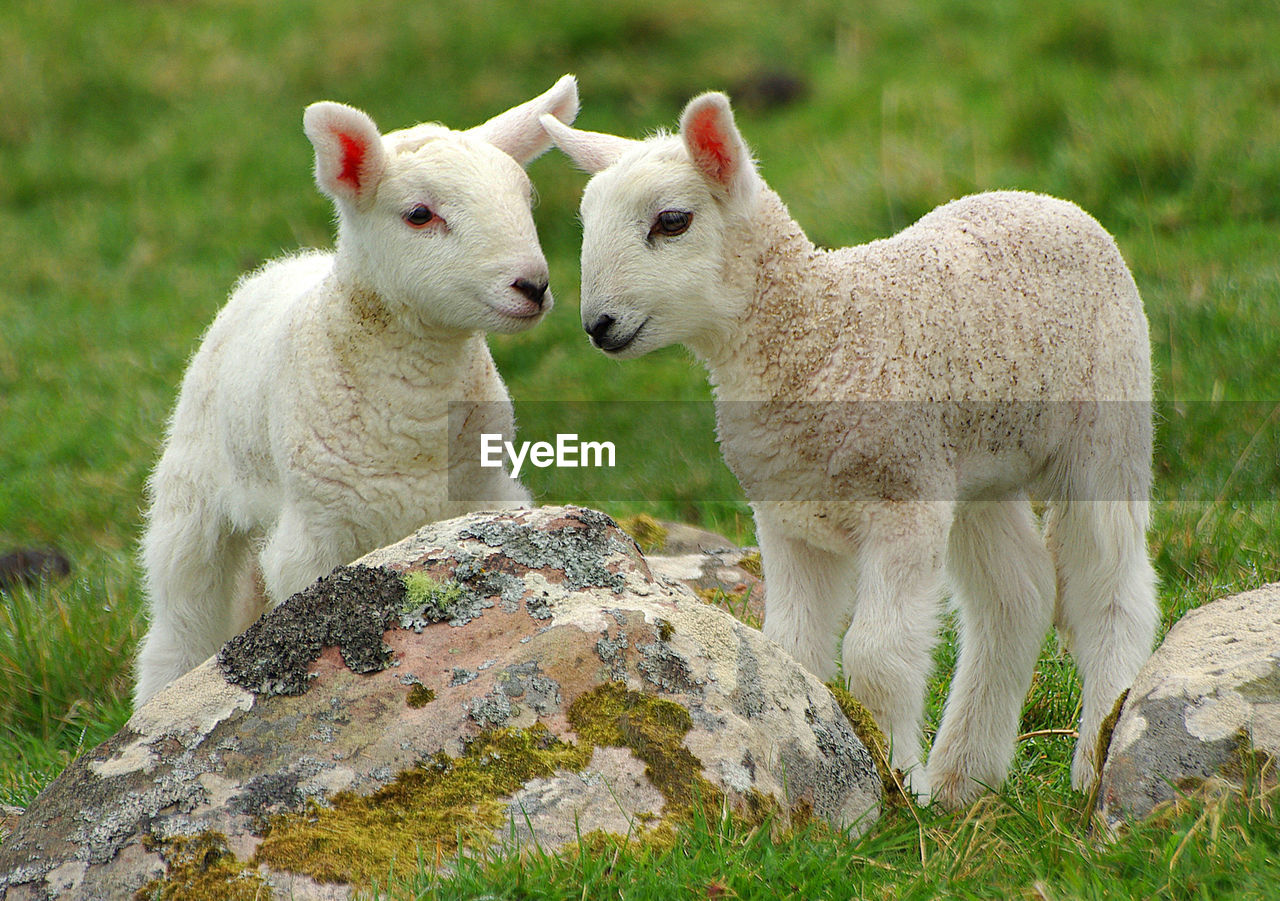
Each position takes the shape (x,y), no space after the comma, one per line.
(535,291)
(598,329)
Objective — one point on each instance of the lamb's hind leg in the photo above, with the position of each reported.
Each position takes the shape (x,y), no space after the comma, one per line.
(888,649)
(1002,577)
(806,597)
(194,564)
(1107,607)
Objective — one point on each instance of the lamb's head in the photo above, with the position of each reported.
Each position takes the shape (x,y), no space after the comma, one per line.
(661,221)
(438,223)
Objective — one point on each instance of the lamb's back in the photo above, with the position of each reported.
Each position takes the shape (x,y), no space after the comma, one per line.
(996,296)
(918,366)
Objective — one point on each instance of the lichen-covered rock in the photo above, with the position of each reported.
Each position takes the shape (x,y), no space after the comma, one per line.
(8,817)
(1206,705)
(719,572)
(521,676)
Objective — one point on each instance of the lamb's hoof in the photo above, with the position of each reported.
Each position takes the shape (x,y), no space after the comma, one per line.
(1084,770)
(916,783)
(32,565)
(956,791)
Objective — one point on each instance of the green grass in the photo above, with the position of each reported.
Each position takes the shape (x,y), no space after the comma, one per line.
(1018,843)
(150,153)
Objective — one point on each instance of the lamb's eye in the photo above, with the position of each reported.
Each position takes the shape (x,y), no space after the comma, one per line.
(420,216)
(670,223)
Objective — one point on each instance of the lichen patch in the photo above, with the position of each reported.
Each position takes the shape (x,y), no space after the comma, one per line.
(133,758)
(576,550)
(1264,689)
(350,609)
(490,583)
(667,669)
(525,682)
(494,710)
(190,708)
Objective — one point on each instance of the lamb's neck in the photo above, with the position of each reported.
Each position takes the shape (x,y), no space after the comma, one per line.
(765,283)
(372,342)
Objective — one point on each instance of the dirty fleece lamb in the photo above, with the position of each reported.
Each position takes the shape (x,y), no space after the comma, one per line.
(889,409)
(314,422)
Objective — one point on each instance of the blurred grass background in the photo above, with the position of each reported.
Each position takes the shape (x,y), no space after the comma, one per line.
(151,152)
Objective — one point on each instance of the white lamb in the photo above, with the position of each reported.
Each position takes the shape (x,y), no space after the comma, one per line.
(314,422)
(889,408)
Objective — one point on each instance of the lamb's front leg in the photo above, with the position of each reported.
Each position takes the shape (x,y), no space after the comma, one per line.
(806,597)
(302,548)
(888,648)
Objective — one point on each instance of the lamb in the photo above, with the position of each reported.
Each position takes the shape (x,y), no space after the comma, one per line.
(890,409)
(314,422)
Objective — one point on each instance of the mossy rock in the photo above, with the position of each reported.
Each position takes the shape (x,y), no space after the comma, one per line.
(1203,711)
(519,677)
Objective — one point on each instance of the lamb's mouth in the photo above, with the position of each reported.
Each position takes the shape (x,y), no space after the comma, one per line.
(612,344)
(518,309)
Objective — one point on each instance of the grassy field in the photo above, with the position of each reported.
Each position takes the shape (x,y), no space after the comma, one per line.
(151,152)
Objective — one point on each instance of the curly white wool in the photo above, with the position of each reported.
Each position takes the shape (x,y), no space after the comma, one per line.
(314,422)
(889,409)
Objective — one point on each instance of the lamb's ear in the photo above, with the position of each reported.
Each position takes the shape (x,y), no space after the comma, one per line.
(517,132)
(350,157)
(714,144)
(590,151)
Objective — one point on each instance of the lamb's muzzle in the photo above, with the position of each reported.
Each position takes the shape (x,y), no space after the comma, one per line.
(612,337)
(535,291)
(599,330)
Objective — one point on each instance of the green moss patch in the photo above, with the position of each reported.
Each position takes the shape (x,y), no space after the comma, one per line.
(434,599)
(579,548)
(201,868)
(653,729)
(420,696)
(424,813)
(864,726)
(445,803)
(648,533)
(1106,730)
(428,601)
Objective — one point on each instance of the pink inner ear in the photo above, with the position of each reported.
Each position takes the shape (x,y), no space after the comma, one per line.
(353,153)
(710,144)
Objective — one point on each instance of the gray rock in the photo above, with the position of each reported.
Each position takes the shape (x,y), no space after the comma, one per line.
(714,568)
(1204,706)
(331,739)
(8,817)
